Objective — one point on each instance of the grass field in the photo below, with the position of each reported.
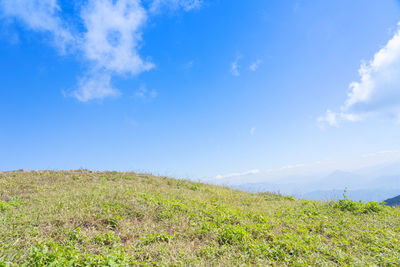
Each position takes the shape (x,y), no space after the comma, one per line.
(81,218)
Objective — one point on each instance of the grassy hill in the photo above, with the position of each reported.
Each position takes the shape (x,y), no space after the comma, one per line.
(80,218)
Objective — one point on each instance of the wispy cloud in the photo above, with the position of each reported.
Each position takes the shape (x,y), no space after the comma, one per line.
(96,86)
(41,16)
(158,5)
(254,66)
(377,92)
(293,166)
(235,67)
(108,45)
(145,93)
(188,65)
(237,174)
(381,153)
(334,118)
(252,131)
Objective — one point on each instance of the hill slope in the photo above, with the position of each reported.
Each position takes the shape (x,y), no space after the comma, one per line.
(105,218)
(394,201)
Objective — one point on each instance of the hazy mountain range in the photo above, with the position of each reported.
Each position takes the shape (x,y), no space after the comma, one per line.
(376,183)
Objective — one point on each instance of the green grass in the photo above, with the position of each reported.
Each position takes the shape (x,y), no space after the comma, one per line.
(81,218)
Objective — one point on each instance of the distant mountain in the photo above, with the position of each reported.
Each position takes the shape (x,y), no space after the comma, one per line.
(332,186)
(374,183)
(338,180)
(395,201)
(259,187)
(377,195)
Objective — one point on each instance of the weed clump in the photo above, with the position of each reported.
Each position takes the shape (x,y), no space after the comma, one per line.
(358,207)
(13,203)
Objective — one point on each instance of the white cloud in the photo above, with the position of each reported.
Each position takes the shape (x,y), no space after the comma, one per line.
(252,131)
(158,5)
(237,174)
(143,92)
(39,15)
(113,34)
(378,90)
(109,44)
(333,118)
(254,66)
(235,67)
(330,118)
(97,86)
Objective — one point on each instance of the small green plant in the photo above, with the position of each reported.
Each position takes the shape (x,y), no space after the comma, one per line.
(6,205)
(194,187)
(291,198)
(233,234)
(54,254)
(107,238)
(157,237)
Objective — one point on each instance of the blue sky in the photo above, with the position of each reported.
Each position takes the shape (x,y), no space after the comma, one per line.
(199,88)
